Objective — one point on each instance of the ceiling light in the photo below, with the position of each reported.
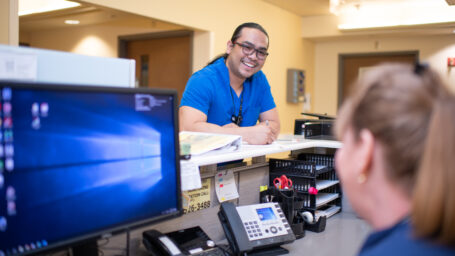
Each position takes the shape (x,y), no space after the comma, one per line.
(27,7)
(361,14)
(72,22)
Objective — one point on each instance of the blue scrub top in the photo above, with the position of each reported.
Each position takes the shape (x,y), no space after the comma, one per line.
(209,91)
(399,240)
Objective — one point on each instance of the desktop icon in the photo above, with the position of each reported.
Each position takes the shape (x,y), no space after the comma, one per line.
(3,224)
(2,180)
(8,122)
(44,109)
(10,193)
(11,208)
(8,135)
(36,123)
(9,164)
(35,109)
(9,150)
(6,93)
(7,108)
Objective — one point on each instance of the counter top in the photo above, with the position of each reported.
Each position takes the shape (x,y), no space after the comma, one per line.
(247,151)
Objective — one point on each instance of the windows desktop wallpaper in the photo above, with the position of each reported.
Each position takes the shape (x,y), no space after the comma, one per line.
(74,163)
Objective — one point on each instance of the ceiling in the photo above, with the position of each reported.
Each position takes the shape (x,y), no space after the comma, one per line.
(303,7)
(90,15)
(87,15)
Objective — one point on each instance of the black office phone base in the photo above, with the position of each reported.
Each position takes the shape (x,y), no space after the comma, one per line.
(270,251)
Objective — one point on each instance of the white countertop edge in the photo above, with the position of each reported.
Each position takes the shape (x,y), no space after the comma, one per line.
(248,151)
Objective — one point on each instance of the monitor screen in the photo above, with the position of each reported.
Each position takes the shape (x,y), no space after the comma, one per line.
(77,162)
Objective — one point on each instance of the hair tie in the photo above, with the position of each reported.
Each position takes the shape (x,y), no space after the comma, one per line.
(419,68)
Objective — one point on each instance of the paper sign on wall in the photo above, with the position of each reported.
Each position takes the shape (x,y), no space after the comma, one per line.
(197,199)
(225,186)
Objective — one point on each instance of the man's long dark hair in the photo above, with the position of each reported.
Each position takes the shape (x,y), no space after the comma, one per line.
(237,34)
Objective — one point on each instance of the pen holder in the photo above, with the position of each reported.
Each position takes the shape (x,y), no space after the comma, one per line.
(298,227)
(285,197)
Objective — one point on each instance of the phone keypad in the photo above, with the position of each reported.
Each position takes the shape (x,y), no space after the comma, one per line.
(252,228)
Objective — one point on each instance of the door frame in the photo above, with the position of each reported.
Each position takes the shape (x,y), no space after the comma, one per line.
(123,41)
(343,56)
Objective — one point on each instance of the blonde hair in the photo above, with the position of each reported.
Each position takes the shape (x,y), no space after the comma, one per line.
(409,112)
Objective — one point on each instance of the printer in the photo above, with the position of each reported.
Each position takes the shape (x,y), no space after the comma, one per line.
(319,128)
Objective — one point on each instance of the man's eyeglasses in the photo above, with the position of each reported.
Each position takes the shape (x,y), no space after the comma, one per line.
(249,49)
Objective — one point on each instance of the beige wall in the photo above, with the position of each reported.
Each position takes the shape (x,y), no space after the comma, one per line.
(97,40)
(9,22)
(432,49)
(218,19)
(213,23)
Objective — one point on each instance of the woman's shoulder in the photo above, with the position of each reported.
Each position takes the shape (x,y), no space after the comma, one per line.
(399,240)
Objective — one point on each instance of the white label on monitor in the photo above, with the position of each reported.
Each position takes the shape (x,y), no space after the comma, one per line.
(170,245)
(18,66)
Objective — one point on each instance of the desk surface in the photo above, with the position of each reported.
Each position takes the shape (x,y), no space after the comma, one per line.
(247,151)
(344,235)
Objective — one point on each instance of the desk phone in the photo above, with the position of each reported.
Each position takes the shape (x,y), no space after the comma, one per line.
(255,227)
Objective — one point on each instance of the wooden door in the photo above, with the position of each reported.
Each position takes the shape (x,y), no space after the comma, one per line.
(162,61)
(350,65)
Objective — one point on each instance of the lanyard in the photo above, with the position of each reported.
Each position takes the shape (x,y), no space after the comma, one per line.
(236,119)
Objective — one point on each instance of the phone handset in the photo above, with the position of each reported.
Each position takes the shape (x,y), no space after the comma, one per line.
(233,228)
(160,244)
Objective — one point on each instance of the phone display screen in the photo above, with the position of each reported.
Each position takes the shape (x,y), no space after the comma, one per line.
(266,214)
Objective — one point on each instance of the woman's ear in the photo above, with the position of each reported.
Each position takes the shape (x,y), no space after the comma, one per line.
(366,147)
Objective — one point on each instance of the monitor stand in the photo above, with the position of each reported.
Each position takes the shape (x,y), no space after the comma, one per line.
(88,248)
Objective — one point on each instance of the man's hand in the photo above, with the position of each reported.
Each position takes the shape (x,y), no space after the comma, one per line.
(263,133)
(230,125)
(259,134)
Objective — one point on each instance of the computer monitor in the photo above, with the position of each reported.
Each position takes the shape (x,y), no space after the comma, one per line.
(79,162)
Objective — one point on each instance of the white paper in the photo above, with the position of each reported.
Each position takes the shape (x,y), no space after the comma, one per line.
(225,186)
(18,66)
(190,178)
(201,142)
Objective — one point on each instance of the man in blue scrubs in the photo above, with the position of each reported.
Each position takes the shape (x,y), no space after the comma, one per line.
(231,94)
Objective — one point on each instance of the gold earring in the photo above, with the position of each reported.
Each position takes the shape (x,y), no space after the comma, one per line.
(361,178)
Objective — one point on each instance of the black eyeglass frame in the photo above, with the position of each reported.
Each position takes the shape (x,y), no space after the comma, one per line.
(250,49)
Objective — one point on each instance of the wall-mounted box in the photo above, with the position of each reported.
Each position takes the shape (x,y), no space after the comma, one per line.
(295,85)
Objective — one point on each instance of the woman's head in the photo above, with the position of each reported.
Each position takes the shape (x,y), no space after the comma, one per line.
(396,105)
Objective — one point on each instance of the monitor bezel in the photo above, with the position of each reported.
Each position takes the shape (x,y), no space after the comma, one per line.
(68,243)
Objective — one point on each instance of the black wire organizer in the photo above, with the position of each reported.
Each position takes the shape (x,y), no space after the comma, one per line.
(316,185)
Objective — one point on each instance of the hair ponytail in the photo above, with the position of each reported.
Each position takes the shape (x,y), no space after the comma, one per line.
(433,214)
